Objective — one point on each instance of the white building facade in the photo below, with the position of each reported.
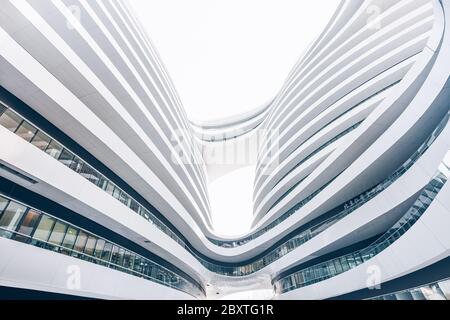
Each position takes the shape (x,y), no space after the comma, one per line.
(104,180)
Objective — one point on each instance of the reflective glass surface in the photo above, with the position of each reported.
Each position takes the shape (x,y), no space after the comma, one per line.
(37,228)
(306,233)
(434,291)
(322,271)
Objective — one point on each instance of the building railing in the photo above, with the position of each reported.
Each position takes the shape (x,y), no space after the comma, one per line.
(29,132)
(439,290)
(336,266)
(30,226)
(305,233)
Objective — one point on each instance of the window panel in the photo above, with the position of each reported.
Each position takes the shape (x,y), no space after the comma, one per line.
(3,204)
(54,149)
(406,295)
(58,233)
(2,109)
(41,140)
(90,246)
(66,157)
(138,262)
(127,259)
(44,228)
(76,164)
(116,193)
(417,294)
(26,131)
(134,205)
(69,239)
(124,198)
(445,287)
(344,264)
(12,216)
(29,222)
(87,172)
(10,120)
(109,188)
(81,241)
(106,253)
(115,258)
(120,256)
(99,248)
(102,183)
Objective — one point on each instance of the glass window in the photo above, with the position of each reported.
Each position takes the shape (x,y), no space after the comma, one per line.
(344,264)
(137,264)
(127,259)
(115,255)
(106,253)
(44,228)
(58,232)
(87,172)
(29,222)
(132,260)
(102,182)
(109,188)
(90,245)
(76,164)
(405,295)
(26,131)
(69,239)
(2,109)
(337,266)
(134,205)
(11,216)
(66,157)
(54,149)
(119,257)
(99,247)
(3,204)
(417,294)
(124,198)
(145,267)
(432,292)
(41,140)
(10,120)
(81,241)
(116,193)
(445,287)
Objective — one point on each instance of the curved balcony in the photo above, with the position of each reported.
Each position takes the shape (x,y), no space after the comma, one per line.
(334,267)
(27,131)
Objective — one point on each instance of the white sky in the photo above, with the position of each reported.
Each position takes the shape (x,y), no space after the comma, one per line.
(226,57)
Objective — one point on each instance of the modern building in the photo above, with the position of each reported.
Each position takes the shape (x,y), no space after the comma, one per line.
(104,180)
